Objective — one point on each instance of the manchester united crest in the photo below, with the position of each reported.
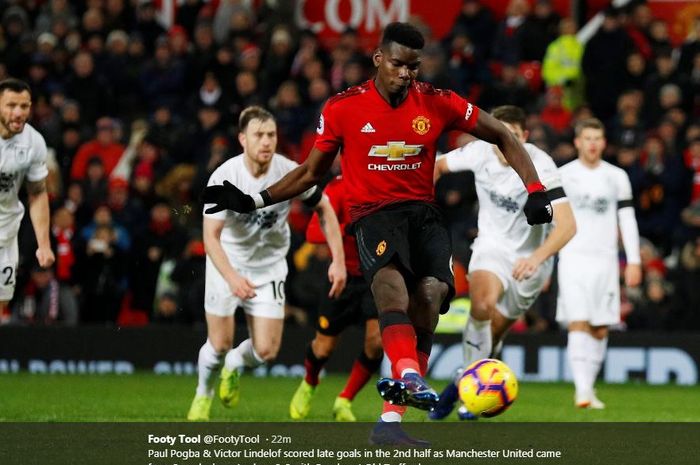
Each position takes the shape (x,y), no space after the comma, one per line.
(421,125)
(381,248)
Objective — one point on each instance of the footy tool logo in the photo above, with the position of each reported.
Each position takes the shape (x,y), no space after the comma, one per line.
(395,151)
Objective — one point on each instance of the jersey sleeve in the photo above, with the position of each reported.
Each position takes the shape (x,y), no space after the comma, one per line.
(466,158)
(38,169)
(216,178)
(462,115)
(328,137)
(624,190)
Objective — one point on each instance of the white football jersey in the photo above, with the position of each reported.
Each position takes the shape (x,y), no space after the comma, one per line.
(594,194)
(502,195)
(21,156)
(259,238)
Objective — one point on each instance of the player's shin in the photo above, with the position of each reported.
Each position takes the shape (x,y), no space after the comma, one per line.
(476,340)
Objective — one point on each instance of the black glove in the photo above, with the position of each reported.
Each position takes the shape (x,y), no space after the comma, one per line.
(538,209)
(227,197)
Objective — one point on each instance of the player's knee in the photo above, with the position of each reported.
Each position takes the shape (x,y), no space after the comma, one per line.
(221,345)
(323,346)
(431,292)
(267,352)
(482,308)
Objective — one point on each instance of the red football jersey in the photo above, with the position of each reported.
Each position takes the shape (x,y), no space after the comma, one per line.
(387,153)
(335,190)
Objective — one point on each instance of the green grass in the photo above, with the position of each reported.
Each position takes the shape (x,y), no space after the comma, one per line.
(152,398)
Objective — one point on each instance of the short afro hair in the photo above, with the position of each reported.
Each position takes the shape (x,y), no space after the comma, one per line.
(403,34)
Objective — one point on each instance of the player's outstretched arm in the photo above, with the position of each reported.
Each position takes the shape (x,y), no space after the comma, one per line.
(538,209)
(337,274)
(39,214)
(564,229)
(300,179)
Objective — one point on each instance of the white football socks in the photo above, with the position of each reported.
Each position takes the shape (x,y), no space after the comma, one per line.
(244,355)
(578,348)
(476,340)
(208,364)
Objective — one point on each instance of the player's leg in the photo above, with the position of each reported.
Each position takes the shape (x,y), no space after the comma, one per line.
(265,318)
(261,347)
(599,345)
(365,365)
(219,308)
(9,257)
(219,340)
(317,354)
(486,290)
(578,345)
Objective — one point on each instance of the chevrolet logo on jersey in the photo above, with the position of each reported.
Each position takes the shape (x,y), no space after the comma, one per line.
(395,151)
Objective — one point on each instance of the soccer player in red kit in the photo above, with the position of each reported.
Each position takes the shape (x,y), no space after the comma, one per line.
(386,131)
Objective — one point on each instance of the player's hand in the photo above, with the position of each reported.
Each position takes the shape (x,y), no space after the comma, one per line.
(227,197)
(337,275)
(538,209)
(241,287)
(525,267)
(45,257)
(633,275)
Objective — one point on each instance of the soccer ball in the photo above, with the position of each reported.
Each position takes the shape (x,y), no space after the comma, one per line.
(487,387)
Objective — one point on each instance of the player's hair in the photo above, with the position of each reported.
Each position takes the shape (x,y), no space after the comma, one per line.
(588,123)
(403,34)
(251,113)
(14,85)
(510,114)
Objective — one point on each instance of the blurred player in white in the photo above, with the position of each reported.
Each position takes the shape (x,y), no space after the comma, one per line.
(589,274)
(22,155)
(246,263)
(511,260)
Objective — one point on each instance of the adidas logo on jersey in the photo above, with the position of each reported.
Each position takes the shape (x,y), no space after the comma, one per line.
(367,128)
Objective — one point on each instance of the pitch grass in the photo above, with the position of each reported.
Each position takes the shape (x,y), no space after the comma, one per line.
(158,398)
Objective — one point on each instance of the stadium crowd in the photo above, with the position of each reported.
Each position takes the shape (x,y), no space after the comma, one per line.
(136,118)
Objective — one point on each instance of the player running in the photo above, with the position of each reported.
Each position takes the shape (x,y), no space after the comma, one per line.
(246,263)
(589,272)
(355,305)
(511,261)
(22,155)
(387,130)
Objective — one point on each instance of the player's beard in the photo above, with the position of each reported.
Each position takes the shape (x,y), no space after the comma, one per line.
(13,127)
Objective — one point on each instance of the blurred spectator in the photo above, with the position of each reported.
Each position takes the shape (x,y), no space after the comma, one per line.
(160,240)
(510,89)
(636,71)
(53,10)
(163,78)
(476,24)
(92,91)
(101,274)
(539,30)
(278,60)
(508,41)
(46,301)
(432,68)
(95,183)
(553,113)
(62,236)
(561,64)
(146,25)
(104,146)
(603,57)
(102,218)
(688,317)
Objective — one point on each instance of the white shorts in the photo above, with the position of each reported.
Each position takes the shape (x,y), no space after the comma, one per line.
(269,290)
(9,257)
(517,296)
(589,290)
